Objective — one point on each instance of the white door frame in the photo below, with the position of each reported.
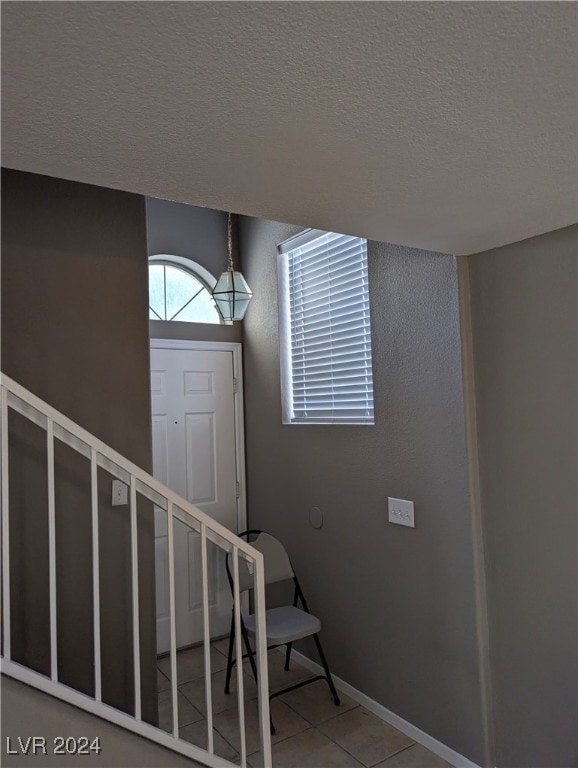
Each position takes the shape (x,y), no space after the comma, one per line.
(236,348)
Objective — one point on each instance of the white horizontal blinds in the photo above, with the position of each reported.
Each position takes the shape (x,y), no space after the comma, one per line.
(330,335)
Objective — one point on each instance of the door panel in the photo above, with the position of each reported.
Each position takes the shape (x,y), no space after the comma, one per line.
(194,454)
(201,464)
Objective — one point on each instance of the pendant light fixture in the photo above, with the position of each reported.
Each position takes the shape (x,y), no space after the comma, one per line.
(231,294)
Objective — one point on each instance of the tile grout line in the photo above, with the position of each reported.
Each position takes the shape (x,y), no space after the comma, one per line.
(377,762)
(394,754)
(311,726)
(286,738)
(280,741)
(357,759)
(314,725)
(235,750)
(215,728)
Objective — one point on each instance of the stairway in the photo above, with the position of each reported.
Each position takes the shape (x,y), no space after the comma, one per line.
(45,674)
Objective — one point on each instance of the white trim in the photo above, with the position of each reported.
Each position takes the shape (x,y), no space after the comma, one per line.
(196,269)
(301,239)
(88,704)
(217,346)
(284,320)
(481,600)
(237,350)
(412,731)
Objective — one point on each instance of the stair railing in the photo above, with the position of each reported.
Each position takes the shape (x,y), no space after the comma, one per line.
(58,427)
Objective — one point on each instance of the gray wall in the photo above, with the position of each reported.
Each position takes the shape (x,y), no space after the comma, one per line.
(27,712)
(75,332)
(159,329)
(195,233)
(523,299)
(397,605)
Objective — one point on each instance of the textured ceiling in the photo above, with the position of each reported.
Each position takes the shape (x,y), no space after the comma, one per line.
(449,126)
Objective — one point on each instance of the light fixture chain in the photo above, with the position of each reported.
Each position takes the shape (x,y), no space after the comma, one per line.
(231,294)
(230,241)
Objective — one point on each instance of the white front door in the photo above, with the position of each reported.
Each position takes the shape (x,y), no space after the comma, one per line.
(194,453)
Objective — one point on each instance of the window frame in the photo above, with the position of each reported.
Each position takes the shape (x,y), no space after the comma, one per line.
(284,300)
(200,273)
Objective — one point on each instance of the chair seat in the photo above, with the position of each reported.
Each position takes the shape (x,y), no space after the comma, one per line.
(286,624)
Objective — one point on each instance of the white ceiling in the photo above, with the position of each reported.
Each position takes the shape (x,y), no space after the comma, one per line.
(449,126)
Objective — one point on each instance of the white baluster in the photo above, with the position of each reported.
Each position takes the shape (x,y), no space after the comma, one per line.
(173,622)
(261,638)
(5,530)
(239,655)
(207,638)
(52,548)
(135,605)
(95,573)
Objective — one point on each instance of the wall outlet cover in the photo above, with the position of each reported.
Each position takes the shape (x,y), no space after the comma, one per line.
(119,493)
(401,512)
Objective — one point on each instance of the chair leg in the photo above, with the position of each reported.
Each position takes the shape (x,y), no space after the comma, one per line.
(230,655)
(254,666)
(249,651)
(327,672)
(288,656)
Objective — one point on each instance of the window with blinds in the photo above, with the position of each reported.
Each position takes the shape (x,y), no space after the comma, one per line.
(325,329)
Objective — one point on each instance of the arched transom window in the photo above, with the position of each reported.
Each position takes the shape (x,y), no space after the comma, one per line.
(179,292)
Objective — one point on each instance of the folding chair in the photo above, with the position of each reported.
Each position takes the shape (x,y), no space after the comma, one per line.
(284,625)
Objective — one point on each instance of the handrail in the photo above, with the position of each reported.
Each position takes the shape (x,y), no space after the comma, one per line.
(58,426)
(121,461)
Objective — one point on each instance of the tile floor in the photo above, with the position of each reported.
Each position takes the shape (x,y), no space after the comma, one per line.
(311,732)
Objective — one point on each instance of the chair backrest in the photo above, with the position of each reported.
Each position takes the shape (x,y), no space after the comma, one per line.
(277,564)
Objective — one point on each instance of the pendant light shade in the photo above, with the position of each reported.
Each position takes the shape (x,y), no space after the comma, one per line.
(231,294)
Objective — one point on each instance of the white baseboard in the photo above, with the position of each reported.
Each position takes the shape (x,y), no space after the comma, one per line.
(421,737)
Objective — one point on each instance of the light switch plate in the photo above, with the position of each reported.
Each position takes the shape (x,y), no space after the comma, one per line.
(401,512)
(119,493)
